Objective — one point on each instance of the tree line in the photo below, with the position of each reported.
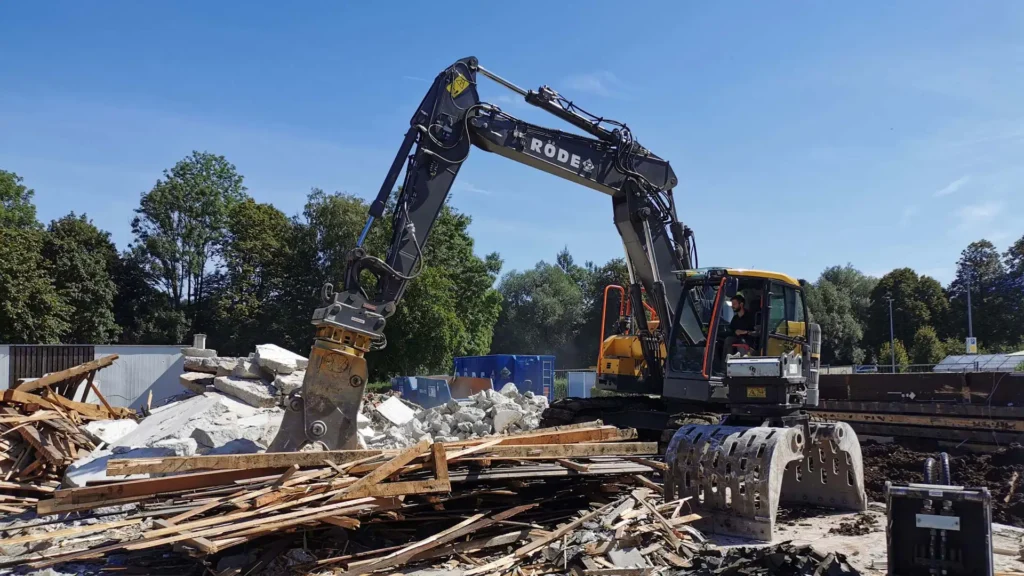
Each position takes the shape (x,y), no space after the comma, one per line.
(928,321)
(205,257)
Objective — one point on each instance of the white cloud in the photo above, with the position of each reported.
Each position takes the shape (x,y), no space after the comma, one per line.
(908,215)
(470,187)
(974,215)
(601,83)
(953,186)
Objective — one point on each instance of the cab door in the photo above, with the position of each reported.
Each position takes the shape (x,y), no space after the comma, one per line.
(784,323)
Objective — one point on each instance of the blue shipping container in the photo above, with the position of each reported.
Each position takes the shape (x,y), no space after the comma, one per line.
(533,373)
(423,390)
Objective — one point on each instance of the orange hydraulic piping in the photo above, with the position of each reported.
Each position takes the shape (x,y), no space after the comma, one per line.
(711,325)
(604,315)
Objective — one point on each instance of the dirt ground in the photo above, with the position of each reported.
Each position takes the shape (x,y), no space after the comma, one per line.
(1002,473)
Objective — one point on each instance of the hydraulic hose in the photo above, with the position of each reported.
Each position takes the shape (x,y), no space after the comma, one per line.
(947,478)
(929,471)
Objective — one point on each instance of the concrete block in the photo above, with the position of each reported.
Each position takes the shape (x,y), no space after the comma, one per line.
(180,446)
(246,368)
(253,392)
(482,428)
(470,414)
(278,359)
(288,383)
(239,446)
(110,431)
(213,437)
(509,390)
(505,418)
(209,365)
(395,411)
(175,420)
(198,382)
(198,352)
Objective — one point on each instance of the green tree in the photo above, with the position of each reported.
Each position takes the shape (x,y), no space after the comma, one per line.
(80,257)
(926,348)
(144,313)
(31,310)
(1013,290)
(16,207)
(839,302)
(981,267)
(181,222)
(254,254)
(885,355)
(541,310)
(917,301)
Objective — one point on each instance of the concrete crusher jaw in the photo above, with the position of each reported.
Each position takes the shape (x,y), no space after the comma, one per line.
(737,476)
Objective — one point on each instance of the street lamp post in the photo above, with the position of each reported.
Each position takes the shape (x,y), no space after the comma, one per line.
(970,321)
(892,337)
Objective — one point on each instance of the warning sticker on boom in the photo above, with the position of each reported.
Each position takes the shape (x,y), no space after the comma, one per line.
(457,86)
(756,392)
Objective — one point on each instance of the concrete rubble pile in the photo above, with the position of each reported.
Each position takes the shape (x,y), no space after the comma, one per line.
(485,413)
(264,379)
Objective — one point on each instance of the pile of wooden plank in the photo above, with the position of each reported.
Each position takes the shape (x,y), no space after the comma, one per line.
(40,437)
(360,511)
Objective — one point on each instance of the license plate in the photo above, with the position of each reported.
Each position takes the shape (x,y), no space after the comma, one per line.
(756,392)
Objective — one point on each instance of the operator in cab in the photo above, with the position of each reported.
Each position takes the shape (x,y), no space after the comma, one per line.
(741,327)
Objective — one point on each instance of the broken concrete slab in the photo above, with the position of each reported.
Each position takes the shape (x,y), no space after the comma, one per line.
(213,437)
(209,365)
(509,390)
(505,418)
(288,383)
(180,446)
(279,360)
(110,431)
(246,368)
(253,392)
(198,382)
(198,352)
(239,446)
(395,411)
(175,420)
(93,466)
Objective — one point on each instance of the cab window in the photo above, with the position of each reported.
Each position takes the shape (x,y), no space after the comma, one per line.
(787,308)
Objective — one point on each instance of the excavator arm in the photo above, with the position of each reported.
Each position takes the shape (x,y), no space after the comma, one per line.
(448,122)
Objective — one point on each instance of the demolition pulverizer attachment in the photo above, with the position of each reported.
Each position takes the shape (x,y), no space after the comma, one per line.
(737,476)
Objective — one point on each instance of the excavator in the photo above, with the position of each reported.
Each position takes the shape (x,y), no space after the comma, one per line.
(741,441)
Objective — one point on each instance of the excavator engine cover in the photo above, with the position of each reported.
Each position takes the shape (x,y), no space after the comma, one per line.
(737,476)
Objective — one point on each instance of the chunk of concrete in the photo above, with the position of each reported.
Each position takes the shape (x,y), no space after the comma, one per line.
(278,359)
(175,420)
(209,365)
(180,446)
(246,368)
(239,446)
(198,352)
(288,383)
(505,418)
(213,437)
(509,390)
(253,392)
(198,382)
(395,411)
(110,431)
(470,414)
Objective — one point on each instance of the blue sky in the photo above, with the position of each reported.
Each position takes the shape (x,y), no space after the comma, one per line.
(803,134)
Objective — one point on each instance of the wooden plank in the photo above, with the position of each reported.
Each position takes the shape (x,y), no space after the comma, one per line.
(197,541)
(648,462)
(575,466)
(27,486)
(42,447)
(342,522)
(70,532)
(201,509)
(670,532)
(287,474)
(439,461)
(315,459)
(18,419)
(73,372)
(386,469)
(618,572)
(90,385)
(91,496)
(647,483)
(234,461)
(399,489)
(936,421)
(90,411)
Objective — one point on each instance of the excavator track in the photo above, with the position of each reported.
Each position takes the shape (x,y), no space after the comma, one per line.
(649,415)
